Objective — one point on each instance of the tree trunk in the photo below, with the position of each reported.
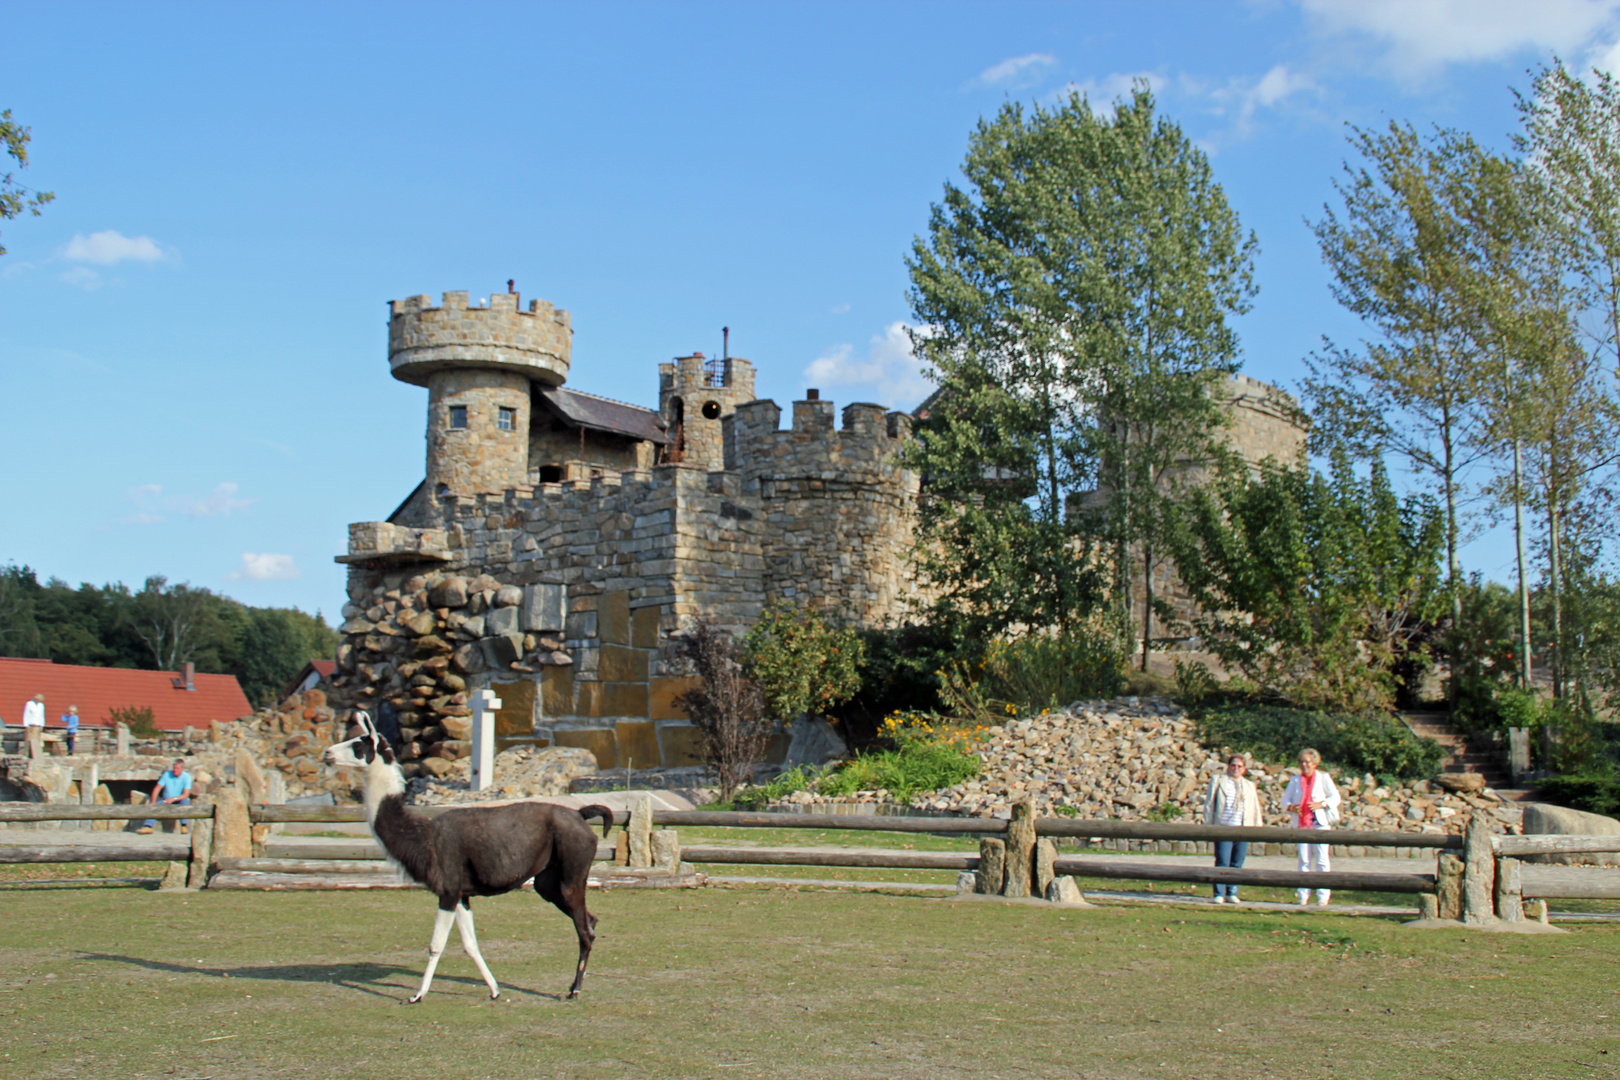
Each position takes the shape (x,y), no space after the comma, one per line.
(1147,601)
(1526,672)
(1555,574)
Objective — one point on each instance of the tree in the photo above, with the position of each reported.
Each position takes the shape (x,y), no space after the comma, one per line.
(14,197)
(1567,403)
(1075,302)
(727,707)
(1313,586)
(1402,259)
(177,623)
(274,645)
(804,666)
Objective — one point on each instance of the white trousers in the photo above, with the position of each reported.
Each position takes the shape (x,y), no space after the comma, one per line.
(1314,858)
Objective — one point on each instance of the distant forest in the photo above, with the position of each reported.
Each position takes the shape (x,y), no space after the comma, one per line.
(159,627)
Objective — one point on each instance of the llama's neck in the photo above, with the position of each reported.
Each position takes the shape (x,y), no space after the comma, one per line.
(382,780)
(403,833)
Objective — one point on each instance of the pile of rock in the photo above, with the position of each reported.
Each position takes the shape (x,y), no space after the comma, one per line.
(288,738)
(413,646)
(1135,758)
(521,772)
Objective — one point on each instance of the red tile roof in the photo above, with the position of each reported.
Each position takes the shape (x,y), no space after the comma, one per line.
(97,690)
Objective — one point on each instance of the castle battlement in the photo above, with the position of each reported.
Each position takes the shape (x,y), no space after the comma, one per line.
(423,338)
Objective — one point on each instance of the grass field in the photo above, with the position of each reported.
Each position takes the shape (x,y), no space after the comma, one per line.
(102,981)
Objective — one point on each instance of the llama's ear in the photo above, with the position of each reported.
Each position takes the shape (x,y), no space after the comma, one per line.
(363,718)
(385,752)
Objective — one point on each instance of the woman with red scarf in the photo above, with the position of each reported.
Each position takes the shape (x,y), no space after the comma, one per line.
(1314,799)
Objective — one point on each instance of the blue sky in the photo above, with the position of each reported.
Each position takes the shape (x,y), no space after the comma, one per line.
(193,340)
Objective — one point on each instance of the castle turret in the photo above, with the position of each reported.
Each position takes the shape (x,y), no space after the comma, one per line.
(478,364)
(694,395)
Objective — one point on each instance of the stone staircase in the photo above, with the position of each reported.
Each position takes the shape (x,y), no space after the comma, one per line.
(1463,758)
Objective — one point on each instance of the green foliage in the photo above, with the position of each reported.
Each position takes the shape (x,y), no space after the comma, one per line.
(140,720)
(1076,296)
(160,627)
(1312,586)
(1374,743)
(1036,671)
(798,778)
(1595,789)
(804,665)
(917,766)
(14,197)
(1167,811)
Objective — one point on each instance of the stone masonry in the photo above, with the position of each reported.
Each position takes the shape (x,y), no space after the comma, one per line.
(560,540)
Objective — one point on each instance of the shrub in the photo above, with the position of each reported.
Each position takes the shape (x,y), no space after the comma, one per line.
(1036,671)
(727,707)
(140,720)
(804,665)
(1365,743)
(1595,789)
(798,778)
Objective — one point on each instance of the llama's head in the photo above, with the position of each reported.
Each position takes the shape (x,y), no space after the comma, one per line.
(363,749)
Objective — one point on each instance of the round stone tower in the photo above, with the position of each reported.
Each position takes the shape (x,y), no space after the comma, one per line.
(693,395)
(478,364)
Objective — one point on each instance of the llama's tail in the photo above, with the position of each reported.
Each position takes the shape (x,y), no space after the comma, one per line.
(596,810)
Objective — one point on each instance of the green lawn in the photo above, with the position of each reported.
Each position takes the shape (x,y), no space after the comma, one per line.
(102,981)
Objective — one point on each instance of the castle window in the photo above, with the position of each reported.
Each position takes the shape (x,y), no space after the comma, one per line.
(458,416)
(506,418)
(551,474)
(711,410)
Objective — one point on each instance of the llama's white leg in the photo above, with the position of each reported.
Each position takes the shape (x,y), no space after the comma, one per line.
(469,942)
(441,934)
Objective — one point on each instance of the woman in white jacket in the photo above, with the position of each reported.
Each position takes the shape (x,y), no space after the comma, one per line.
(1314,798)
(1232,800)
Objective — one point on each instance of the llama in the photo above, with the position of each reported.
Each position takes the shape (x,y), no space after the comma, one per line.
(476,851)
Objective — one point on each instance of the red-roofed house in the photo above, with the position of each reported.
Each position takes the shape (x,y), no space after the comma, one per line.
(311,676)
(96,691)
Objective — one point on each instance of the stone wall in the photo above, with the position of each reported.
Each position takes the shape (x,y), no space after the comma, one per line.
(689,401)
(482,456)
(839,511)
(423,338)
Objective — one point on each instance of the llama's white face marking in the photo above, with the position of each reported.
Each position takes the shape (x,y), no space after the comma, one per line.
(357,753)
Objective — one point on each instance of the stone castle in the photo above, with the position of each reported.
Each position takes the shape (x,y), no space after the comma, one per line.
(559,538)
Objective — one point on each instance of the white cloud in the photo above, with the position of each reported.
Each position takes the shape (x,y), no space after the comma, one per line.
(1016,72)
(1102,92)
(889,370)
(221,502)
(112,247)
(838,309)
(151,504)
(1240,99)
(81,277)
(265,567)
(1422,35)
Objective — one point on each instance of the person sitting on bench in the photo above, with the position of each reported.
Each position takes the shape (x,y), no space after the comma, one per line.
(175,788)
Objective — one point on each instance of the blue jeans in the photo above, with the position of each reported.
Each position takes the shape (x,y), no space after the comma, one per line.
(1230,853)
(151,823)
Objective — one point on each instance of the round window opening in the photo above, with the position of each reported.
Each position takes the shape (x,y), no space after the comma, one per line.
(711,410)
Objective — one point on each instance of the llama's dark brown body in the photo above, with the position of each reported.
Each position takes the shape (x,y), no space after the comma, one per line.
(486,851)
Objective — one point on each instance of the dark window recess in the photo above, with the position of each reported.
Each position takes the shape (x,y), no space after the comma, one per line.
(711,410)
(506,419)
(551,474)
(442,490)
(458,416)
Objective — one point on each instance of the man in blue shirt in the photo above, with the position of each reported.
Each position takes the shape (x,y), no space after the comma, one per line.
(173,787)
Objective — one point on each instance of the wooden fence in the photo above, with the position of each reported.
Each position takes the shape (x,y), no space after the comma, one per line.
(1016,857)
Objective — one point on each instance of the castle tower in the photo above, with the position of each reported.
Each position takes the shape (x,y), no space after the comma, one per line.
(694,394)
(478,364)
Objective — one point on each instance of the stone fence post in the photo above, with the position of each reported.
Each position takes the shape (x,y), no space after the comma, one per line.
(1479,871)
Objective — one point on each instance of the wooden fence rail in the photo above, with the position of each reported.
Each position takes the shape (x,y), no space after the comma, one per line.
(1487,879)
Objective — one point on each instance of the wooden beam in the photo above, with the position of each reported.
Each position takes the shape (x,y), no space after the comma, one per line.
(897,860)
(1085,866)
(1550,844)
(159,852)
(75,812)
(1154,830)
(740,820)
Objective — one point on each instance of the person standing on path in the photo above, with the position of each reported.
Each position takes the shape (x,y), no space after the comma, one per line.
(1232,800)
(1313,796)
(174,786)
(70,721)
(34,725)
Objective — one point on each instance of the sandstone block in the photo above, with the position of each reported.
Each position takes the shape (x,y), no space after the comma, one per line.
(1543,818)
(422,624)
(508,596)
(469,659)
(500,651)
(619,663)
(992,866)
(1065,890)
